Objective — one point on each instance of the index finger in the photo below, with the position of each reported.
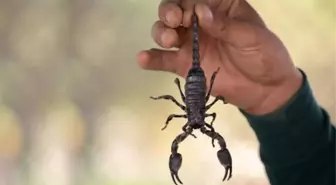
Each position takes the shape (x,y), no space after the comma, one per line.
(170,13)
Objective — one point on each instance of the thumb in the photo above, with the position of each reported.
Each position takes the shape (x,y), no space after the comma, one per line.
(160,60)
(241,34)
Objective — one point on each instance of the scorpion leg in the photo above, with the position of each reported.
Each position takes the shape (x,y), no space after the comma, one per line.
(170,117)
(210,126)
(212,80)
(213,115)
(177,82)
(184,128)
(213,103)
(223,154)
(175,159)
(171,98)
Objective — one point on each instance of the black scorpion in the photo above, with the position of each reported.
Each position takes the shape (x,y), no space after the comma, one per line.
(195,100)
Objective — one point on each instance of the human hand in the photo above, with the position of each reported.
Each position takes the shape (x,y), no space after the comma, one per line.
(256,71)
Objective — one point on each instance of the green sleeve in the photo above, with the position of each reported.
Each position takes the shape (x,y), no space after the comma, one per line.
(297,142)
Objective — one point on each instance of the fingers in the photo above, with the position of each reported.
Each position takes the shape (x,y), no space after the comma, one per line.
(188,10)
(170,13)
(159,60)
(212,23)
(242,34)
(215,17)
(166,32)
(164,36)
(204,14)
(175,13)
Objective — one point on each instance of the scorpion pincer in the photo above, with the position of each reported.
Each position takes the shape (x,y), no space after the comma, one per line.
(195,108)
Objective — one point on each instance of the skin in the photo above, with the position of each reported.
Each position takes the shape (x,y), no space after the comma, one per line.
(256,71)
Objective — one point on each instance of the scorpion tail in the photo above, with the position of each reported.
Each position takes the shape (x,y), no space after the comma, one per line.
(195,49)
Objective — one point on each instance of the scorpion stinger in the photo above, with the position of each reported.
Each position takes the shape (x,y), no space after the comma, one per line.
(195,110)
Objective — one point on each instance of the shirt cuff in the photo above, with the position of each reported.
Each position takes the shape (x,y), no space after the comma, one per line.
(281,134)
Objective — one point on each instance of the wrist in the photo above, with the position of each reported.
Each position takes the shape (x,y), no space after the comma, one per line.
(278,95)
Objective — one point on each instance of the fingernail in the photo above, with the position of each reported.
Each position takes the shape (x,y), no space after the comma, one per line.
(205,13)
(170,16)
(167,38)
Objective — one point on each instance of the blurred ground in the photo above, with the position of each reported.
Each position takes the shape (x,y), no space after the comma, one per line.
(74,106)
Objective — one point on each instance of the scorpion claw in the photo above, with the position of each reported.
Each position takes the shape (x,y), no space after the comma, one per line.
(175,161)
(227,171)
(225,159)
(177,177)
(173,177)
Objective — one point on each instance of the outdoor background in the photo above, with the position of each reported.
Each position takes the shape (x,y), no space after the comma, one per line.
(75,107)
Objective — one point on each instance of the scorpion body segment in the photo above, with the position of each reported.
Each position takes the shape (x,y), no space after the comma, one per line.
(195,98)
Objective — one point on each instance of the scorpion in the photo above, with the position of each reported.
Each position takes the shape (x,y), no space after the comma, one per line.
(195,100)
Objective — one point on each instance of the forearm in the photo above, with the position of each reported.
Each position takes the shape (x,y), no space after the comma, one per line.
(296,141)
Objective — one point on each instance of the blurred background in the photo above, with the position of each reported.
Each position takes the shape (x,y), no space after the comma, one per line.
(75,107)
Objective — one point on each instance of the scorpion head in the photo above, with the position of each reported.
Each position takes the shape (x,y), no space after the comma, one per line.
(196,75)
(196,71)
